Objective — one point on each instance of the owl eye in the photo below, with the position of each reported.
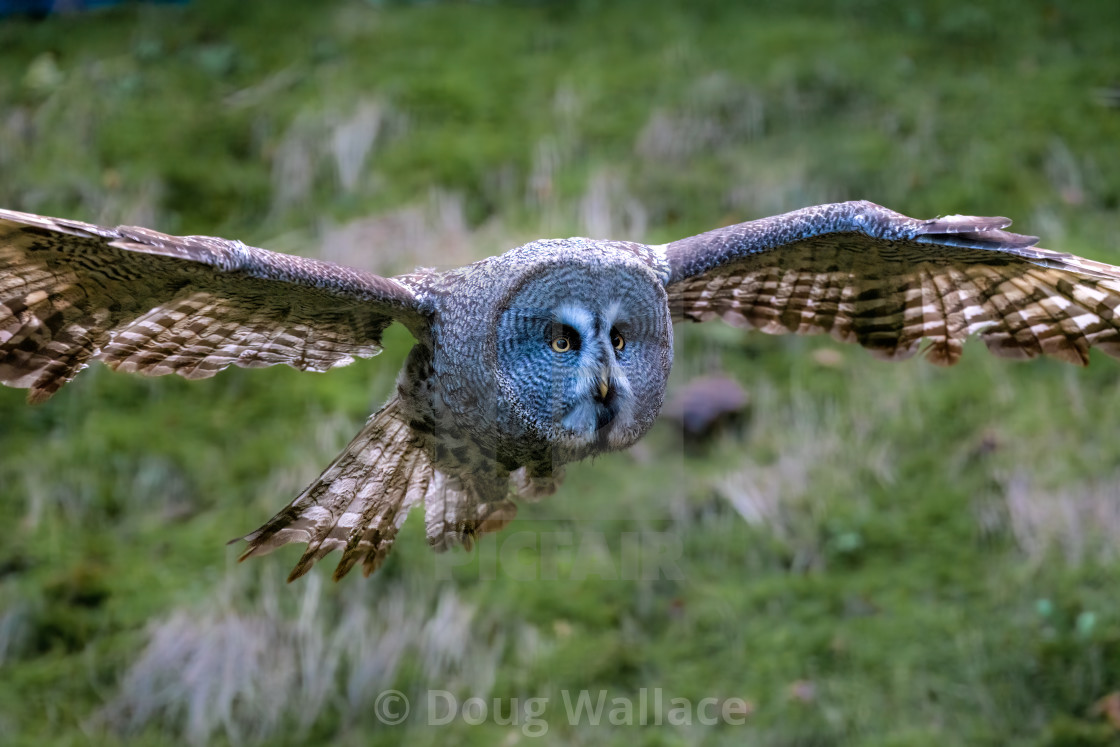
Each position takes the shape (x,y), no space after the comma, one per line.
(617,340)
(563,338)
(561,344)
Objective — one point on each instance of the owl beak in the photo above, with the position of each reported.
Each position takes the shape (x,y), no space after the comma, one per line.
(604,382)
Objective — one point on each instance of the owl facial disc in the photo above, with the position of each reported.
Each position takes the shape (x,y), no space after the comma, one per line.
(584,353)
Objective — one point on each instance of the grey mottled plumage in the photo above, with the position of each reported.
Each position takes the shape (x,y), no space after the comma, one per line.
(524,362)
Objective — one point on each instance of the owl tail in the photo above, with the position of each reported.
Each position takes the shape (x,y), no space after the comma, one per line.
(362,499)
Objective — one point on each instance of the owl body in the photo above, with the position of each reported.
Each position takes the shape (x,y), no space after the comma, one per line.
(552,352)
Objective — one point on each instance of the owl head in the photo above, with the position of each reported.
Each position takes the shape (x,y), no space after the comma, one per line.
(582,347)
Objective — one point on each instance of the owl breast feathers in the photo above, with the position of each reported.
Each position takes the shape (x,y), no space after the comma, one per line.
(547,354)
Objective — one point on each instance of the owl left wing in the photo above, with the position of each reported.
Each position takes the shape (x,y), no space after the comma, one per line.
(866,274)
(146,302)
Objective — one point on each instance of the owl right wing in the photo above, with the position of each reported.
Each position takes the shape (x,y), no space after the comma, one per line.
(866,274)
(150,303)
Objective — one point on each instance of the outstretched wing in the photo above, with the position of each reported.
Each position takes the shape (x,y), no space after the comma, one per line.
(869,275)
(146,302)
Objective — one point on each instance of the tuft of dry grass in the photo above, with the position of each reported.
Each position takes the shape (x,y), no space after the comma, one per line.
(252,662)
(718,113)
(608,210)
(352,139)
(798,461)
(433,232)
(325,145)
(1077,522)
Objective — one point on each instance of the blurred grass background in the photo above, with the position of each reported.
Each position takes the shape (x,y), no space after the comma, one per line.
(882,554)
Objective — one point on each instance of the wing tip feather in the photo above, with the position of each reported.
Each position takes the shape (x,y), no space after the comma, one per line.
(38,395)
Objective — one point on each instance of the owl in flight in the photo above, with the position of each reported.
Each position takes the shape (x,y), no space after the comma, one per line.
(550,353)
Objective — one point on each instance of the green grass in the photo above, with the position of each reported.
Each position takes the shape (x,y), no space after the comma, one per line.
(932,554)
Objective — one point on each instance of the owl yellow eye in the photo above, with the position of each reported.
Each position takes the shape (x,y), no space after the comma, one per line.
(617,340)
(561,344)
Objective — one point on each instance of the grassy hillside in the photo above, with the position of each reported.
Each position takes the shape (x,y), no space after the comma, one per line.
(881,554)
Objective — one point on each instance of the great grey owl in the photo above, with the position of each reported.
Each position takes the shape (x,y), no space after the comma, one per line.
(552,352)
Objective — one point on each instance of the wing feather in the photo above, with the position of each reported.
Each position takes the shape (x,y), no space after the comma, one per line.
(868,275)
(360,502)
(150,303)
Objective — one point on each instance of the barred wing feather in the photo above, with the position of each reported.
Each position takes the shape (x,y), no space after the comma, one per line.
(150,303)
(865,274)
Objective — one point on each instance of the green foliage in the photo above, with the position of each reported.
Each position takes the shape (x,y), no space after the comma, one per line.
(883,554)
